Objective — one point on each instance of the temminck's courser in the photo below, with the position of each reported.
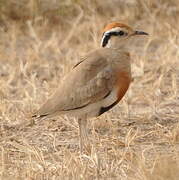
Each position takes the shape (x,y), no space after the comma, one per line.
(97,82)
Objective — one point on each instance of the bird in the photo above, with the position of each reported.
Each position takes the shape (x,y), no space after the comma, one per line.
(96,83)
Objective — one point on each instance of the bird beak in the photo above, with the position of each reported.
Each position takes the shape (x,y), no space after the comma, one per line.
(140,33)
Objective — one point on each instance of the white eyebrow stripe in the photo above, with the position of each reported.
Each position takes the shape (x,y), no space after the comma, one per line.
(102,40)
(116,29)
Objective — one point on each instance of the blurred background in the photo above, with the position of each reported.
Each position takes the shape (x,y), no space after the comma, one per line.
(40,41)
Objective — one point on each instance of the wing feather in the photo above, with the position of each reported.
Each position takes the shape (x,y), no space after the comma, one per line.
(87,83)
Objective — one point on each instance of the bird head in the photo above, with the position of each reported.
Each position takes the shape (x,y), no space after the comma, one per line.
(118,35)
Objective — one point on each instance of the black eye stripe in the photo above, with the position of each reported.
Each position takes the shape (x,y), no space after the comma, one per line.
(108,35)
(105,39)
(121,33)
(116,33)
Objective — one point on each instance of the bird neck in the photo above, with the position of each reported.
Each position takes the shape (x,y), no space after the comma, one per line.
(115,46)
(114,43)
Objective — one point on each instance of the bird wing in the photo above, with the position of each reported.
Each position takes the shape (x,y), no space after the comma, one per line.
(89,82)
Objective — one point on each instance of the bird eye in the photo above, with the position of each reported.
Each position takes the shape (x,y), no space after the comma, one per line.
(121,33)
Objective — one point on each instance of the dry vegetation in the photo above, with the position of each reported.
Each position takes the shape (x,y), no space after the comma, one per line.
(39,42)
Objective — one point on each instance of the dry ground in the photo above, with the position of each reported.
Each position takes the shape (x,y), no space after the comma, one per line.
(137,140)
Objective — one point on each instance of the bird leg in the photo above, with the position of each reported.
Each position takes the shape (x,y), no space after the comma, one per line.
(83,133)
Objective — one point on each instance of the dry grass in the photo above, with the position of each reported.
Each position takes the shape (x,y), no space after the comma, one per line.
(39,43)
